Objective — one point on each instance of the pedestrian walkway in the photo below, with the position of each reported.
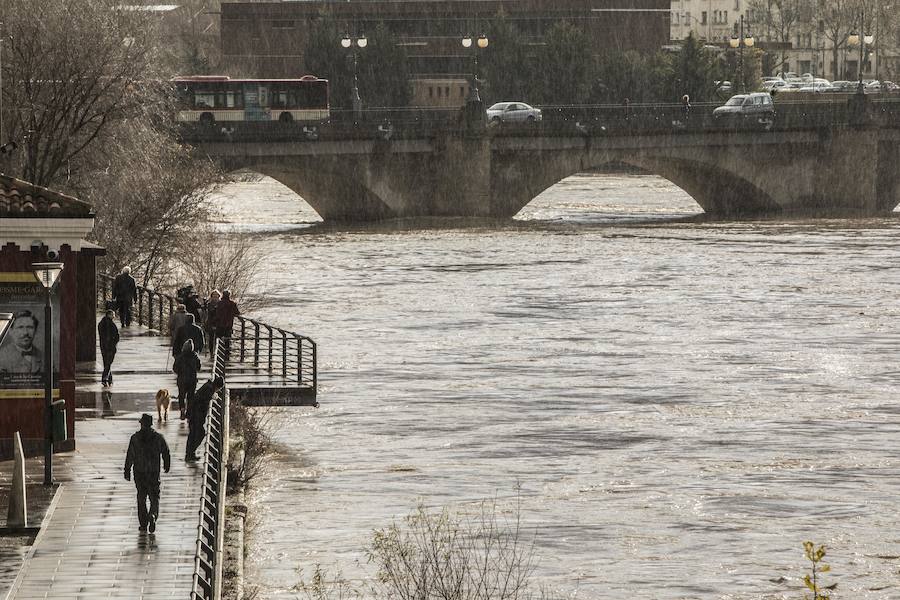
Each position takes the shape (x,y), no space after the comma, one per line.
(90,546)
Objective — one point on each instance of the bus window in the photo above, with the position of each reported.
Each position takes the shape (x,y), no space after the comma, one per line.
(233,99)
(280,99)
(263,96)
(204,99)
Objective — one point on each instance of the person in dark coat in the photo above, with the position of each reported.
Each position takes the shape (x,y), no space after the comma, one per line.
(109,339)
(144,451)
(197,412)
(186,367)
(209,324)
(124,292)
(226,312)
(192,306)
(176,320)
(188,331)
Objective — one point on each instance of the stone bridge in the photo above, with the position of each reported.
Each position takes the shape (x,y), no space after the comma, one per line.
(816,161)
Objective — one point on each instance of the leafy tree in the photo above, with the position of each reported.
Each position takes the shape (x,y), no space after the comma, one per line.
(566,66)
(695,71)
(383,71)
(633,75)
(506,65)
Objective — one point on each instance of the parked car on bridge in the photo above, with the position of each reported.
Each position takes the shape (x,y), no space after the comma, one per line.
(817,87)
(843,86)
(747,110)
(513,112)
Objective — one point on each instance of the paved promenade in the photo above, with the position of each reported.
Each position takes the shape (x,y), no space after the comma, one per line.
(91,547)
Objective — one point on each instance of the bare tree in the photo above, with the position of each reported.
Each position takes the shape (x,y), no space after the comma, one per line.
(838,18)
(72,69)
(210,259)
(782,20)
(150,195)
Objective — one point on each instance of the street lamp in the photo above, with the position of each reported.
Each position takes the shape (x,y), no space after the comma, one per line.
(739,43)
(361,42)
(47,274)
(862,40)
(480,43)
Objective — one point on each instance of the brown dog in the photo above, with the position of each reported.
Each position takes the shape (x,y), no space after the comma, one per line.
(162,404)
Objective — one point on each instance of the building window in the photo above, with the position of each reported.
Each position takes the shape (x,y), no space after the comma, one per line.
(702,18)
(462,92)
(430,92)
(725,17)
(447,91)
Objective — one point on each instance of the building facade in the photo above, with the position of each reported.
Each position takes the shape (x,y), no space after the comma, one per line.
(801,42)
(268,39)
(39,225)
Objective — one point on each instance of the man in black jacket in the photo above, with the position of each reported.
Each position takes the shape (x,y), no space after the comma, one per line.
(124,291)
(188,331)
(144,451)
(198,409)
(109,339)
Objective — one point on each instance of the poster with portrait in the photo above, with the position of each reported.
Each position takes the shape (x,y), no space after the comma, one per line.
(22,357)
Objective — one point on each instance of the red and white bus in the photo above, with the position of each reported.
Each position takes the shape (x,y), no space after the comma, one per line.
(209,99)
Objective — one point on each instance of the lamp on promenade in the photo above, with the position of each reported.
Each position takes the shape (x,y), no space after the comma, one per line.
(738,41)
(361,42)
(47,274)
(481,43)
(862,40)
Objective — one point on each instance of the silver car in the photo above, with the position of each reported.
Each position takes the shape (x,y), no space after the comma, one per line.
(513,112)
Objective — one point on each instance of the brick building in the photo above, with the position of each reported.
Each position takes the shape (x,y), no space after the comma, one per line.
(267,39)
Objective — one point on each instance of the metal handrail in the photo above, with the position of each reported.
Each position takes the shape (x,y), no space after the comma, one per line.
(271,350)
(208,555)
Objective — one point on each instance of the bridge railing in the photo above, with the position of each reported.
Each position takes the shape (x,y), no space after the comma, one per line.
(598,119)
(206,583)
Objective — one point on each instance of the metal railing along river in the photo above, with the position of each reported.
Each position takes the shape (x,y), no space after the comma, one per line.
(208,556)
(260,356)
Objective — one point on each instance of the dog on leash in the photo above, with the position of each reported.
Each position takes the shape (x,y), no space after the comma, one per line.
(162,404)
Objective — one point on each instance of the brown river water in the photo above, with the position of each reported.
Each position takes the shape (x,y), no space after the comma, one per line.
(678,404)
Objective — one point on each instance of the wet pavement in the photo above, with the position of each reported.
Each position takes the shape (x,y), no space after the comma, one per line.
(89,545)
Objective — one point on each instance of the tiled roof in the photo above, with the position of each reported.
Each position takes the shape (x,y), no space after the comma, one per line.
(21,199)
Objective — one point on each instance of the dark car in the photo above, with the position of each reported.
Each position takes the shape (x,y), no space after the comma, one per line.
(747,110)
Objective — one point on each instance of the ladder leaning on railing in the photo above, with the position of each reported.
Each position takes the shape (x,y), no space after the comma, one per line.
(259,355)
(208,555)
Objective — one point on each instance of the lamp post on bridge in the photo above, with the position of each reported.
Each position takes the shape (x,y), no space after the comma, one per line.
(480,43)
(357,44)
(862,40)
(738,41)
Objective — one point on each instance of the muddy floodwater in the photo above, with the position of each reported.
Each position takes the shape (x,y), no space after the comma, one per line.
(678,404)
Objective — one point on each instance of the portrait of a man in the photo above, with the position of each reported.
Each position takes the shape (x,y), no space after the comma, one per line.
(19,354)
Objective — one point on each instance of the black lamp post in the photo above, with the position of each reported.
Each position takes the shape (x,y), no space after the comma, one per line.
(739,43)
(361,42)
(47,274)
(482,43)
(862,40)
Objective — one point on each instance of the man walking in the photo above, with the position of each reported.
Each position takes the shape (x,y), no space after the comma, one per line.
(186,368)
(144,451)
(124,291)
(226,312)
(109,339)
(189,331)
(197,411)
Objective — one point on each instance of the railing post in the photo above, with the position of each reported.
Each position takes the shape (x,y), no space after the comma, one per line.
(160,304)
(299,360)
(140,318)
(255,343)
(284,354)
(315,370)
(243,337)
(269,327)
(149,310)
